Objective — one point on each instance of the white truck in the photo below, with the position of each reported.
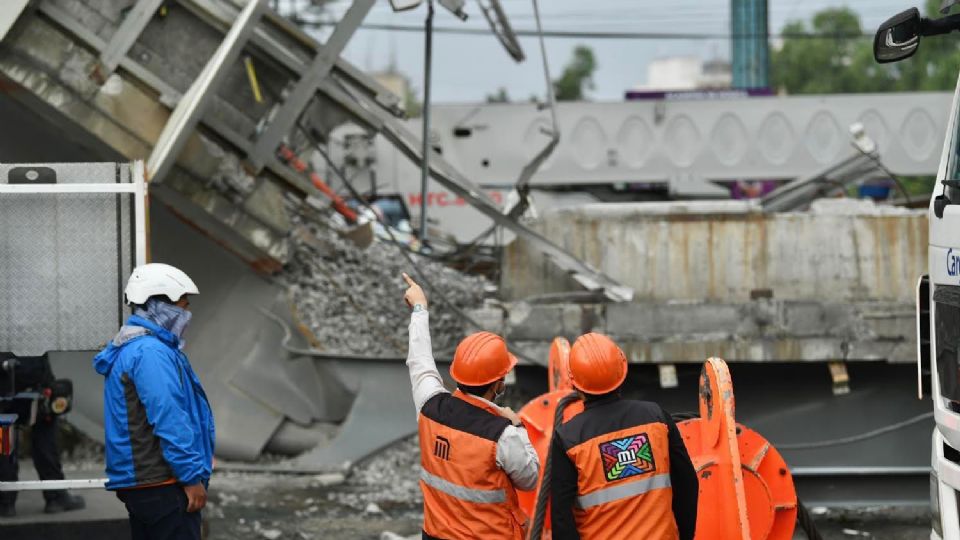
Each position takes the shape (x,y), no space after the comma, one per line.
(938,292)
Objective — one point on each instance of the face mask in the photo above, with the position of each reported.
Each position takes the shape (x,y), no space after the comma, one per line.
(497,396)
(168,316)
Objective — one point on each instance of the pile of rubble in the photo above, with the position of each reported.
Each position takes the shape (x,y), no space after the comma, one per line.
(380,494)
(391,476)
(351,299)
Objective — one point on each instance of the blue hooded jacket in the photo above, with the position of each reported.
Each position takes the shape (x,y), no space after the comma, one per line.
(157,418)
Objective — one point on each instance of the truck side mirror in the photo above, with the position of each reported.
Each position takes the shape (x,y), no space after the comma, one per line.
(898,37)
(404,5)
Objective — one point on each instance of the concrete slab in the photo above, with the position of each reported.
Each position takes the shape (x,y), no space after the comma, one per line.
(846,251)
(104,516)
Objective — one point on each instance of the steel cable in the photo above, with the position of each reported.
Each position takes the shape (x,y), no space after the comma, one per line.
(540,513)
(855,438)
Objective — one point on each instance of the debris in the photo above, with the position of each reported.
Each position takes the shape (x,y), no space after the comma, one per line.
(852,207)
(387,535)
(854,532)
(351,299)
(271,534)
(372,508)
(325,480)
(389,477)
(227,498)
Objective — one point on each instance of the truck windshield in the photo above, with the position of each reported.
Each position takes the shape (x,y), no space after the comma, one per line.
(953,158)
(946,300)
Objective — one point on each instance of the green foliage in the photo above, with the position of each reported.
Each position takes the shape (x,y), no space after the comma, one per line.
(917,185)
(500,96)
(412,105)
(577,76)
(844,64)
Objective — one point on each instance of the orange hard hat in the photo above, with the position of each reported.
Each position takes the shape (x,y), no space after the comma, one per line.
(480,359)
(597,365)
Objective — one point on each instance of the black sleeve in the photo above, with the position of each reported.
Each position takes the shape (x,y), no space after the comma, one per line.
(563,493)
(683,479)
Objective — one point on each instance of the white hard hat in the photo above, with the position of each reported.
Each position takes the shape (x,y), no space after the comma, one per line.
(158,279)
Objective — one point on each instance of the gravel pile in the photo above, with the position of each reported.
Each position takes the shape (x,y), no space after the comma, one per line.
(351,299)
(381,494)
(390,477)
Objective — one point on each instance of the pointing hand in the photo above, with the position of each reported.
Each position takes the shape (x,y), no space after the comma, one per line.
(414,294)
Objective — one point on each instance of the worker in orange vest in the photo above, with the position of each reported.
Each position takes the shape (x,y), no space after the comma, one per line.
(473,452)
(620,468)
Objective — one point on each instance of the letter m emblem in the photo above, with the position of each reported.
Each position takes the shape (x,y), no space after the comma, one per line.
(441,448)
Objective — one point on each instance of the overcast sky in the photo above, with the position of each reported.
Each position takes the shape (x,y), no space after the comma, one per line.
(468,67)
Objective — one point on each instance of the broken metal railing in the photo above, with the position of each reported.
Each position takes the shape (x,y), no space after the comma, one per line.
(798,195)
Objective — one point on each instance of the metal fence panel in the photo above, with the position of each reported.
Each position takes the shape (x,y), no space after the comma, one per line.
(64,258)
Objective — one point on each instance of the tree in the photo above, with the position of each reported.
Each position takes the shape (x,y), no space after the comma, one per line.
(500,96)
(844,63)
(577,75)
(412,105)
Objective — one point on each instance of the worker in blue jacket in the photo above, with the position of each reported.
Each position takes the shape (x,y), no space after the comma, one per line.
(158,423)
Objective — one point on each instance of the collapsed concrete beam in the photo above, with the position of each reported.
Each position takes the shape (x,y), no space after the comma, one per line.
(729,251)
(762,330)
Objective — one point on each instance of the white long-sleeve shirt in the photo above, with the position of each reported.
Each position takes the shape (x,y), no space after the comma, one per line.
(515,454)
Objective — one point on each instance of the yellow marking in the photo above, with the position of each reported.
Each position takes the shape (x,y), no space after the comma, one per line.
(252,77)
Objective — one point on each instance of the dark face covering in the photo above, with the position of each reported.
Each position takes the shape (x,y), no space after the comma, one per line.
(168,316)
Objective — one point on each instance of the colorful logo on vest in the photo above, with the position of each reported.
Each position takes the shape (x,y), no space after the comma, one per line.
(626,457)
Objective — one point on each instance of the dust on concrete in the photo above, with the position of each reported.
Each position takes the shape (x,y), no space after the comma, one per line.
(382,495)
(874,522)
(379,495)
(381,500)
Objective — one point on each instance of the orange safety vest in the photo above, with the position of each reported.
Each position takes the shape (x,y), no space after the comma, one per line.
(623,485)
(465,494)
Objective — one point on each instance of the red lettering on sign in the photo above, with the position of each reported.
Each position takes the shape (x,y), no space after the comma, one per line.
(444,199)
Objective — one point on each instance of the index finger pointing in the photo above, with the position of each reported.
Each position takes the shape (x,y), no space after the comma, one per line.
(409,281)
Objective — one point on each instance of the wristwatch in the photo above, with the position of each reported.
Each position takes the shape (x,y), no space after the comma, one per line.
(419,307)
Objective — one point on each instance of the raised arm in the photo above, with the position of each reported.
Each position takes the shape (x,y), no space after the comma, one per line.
(425,380)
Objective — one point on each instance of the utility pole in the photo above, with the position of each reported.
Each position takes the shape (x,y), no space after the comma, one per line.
(425,172)
(750,44)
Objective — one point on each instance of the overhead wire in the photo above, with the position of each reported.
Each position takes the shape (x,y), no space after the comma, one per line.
(631,35)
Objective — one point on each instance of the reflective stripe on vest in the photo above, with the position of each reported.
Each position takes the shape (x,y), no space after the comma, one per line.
(480,496)
(623,491)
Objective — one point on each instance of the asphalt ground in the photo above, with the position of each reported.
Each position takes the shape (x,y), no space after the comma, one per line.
(373,500)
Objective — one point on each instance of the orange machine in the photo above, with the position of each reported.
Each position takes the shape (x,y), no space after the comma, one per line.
(746,489)
(538,415)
